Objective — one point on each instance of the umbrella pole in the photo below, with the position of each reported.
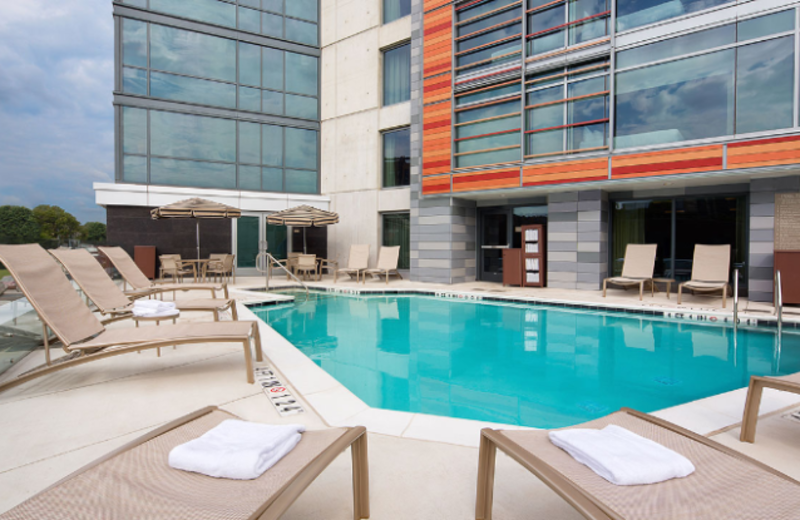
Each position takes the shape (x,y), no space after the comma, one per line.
(198,238)
(304,242)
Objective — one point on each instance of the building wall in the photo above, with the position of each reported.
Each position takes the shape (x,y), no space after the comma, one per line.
(352,121)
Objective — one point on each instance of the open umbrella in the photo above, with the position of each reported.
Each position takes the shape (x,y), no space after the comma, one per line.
(304,217)
(196,208)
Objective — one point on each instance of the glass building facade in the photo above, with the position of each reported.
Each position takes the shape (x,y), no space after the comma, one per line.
(200,106)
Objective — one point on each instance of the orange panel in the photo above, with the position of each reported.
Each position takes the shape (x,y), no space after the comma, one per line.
(764,152)
(565,171)
(436,185)
(667,162)
(486,180)
(437,41)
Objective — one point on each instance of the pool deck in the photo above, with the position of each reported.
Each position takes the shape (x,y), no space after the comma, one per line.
(421,466)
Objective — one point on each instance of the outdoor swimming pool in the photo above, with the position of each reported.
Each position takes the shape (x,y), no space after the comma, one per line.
(535,366)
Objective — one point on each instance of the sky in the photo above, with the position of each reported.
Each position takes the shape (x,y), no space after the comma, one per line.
(56,116)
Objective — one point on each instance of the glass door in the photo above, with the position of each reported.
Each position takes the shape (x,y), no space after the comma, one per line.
(495,237)
(252,234)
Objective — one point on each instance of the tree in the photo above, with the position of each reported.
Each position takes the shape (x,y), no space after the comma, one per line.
(55,223)
(18,225)
(94,232)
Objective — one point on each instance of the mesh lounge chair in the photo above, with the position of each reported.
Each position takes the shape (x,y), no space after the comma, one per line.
(171,265)
(710,271)
(110,300)
(357,262)
(83,337)
(142,286)
(727,485)
(637,269)
(306,264)
(222,265)
(388,257)
(790,383)
(136,481)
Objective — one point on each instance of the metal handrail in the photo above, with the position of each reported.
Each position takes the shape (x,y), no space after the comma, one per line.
(735,299)
(778,301)
(267,269)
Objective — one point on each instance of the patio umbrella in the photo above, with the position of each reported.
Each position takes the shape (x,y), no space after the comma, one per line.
(196,208)
(304,217)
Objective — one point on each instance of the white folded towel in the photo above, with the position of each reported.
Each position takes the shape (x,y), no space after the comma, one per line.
(236,449)
(153,304)
(622,457)
(154,309)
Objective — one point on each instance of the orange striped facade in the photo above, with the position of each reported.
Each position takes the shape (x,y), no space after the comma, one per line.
(563,172)
(683,160)
(764,152)
(486,180)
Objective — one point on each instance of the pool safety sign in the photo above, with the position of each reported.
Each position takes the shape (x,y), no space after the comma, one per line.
(276,391)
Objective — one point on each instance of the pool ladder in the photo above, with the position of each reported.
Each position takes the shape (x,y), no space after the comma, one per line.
(265,263)
(735,299)
(778,301)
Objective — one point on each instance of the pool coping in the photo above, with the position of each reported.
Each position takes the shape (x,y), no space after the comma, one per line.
(338,406)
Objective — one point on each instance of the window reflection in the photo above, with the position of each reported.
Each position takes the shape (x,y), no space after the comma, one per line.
(635,13)
(765,85)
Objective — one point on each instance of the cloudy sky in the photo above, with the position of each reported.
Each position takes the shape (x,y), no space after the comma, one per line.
(56,117)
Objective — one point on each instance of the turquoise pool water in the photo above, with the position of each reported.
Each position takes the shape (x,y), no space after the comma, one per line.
(529,365)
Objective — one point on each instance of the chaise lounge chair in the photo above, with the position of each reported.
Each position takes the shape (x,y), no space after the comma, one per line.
(388,257)
(83,337)
(357,262)
(726,485)
(710,271)
(109,299)
(637,269)
(790,383)
(136,481)
(142,286)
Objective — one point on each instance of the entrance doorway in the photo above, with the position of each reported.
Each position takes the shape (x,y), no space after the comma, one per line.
(500,228)
(251,230)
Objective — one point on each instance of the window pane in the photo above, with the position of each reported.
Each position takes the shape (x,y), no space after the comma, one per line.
(201,91)
(305,9)
(134,169)
(489,21)
(587,136)
(487,127)
(497,53)
(209,11)
(250,99)
(546,117)
(272,179)
(134,130)
(251,3)
(272,145)
(272,5)
(303,32)
(271,102)
(249,64)
(397,158)
(134,81)
(584,110)
(191,53)
(301,73)
(137,3)
(272,25)
(249,143)
(765,85)
(272,60)
(134,43)
(633,13)
(397,75)
(301,148)
(483,8)
(489,37)
(546,42)
(192,137)
(766,25)
(491,111)
(487,142)
(394,9)
(250,178)
(588,86)
(545,95)
(300,106)
(550,141)
(479,159)
(488,94)
(397,232)
(694,42)
(192,173)
(676,101)
(301,181)
(590,29)
(249,20)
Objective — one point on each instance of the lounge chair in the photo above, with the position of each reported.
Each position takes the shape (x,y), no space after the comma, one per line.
(710,271)
(135,481)
(790,383)
(110,300)
(357,262)
(637,269)
(83,337)
(727,485)
(388,257)
(142,286)
(305,264)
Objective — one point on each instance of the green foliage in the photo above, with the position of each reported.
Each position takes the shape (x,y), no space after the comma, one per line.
(55,223)
(18,225)
(93,232)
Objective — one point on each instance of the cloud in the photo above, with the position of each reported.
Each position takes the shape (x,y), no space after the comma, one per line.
(56,116)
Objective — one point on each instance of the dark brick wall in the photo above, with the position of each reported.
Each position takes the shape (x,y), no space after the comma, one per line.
(316,241)
(130,226)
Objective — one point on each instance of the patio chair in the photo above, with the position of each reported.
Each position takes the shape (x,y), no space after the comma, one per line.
(136,481)
(388,257)
(357,262)
(306,264)
(109,299)
(790,383)
(727,485)
(170,265)
(142,286)
(637,269)
(83,337)
(710,271)
(221,265)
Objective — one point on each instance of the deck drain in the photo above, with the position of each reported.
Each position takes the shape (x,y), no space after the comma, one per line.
(668,381)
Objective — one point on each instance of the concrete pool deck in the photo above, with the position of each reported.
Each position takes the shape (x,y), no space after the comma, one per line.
(421,466)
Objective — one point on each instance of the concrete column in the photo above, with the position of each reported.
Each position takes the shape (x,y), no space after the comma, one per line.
(562,240)
(592,239)
(443,244)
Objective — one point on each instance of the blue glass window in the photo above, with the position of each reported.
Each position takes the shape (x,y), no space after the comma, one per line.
(272,145)
(395,9)
(192,137)
(272,25)
(635,13)
(397,75)
(250,178)
(193,90)
(191,53)
(249,143)
(249,20)
(209,11)
(299,31)
(301,148)
(301,106)
(134,169)
(305,9)
(134,130)
(301,73)
(250,99)
(176,172)
(272,68)
(134,81)
(134,43)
